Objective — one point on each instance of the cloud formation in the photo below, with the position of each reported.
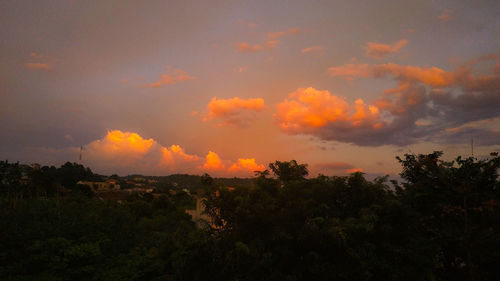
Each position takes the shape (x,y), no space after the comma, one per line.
(446,15)
(213,162)
(278,34)
(170,78)
(246,165)
(270,43)
(244,47)
(38,62)
(38,66)
(423,105)
(308,108)
(243,166)
(354,170)
(404,74)
(313,49)
(234,111)
(380,50)
(124,149)
(125,152)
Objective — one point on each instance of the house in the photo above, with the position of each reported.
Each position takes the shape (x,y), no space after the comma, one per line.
(198,214)
(99,186)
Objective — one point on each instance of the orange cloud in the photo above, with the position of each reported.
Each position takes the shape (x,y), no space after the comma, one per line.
(355,170)
(127,152)
(174,154)
(431,76)
(271,42)
(173,77)
(446,15)
(312,49)
(233,111)
(350,70)
(404,114)
(38,66)
(379,50)
(244,47)
(213,162)
(274,35)
(118,141)
(242,167)
(120,150)
(246,164)
(311,108)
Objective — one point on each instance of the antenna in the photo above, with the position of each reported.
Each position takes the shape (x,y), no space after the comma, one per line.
(80,158)
(472,146)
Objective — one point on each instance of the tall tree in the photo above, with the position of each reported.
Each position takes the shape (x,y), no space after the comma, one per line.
(289,170)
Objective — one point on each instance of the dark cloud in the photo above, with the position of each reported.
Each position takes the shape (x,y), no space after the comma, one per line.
(478,135)
(426,104)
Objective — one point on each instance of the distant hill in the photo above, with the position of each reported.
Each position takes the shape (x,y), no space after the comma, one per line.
(190,182)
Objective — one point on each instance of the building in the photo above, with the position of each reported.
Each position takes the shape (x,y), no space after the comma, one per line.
(100,186)
(198,215)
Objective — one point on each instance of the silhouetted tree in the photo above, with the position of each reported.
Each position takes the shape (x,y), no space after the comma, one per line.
(458,206)
(289,170)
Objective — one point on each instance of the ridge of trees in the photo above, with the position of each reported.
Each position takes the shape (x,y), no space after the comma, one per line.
(442,222)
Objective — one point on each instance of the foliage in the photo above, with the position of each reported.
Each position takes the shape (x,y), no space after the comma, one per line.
(289,170)
(441,223)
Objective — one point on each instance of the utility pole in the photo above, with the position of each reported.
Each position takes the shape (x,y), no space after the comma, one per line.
(472,146)
(80,158)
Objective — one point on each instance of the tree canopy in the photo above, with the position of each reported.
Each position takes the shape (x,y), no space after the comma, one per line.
(440,223)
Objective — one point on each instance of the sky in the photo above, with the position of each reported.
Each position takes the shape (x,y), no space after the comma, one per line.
(226,87)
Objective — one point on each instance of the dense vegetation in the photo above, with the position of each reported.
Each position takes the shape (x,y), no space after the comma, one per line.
(441,223)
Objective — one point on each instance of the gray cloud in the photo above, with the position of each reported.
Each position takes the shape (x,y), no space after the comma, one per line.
(424,106)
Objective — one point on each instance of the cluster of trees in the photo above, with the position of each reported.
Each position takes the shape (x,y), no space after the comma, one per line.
(441,223)
(34,181)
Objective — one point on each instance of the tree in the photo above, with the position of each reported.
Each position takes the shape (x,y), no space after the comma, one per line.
(458,206)
(289,170)
(207,180)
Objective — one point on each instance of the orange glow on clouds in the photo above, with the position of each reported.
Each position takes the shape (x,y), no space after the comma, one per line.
(446,15)
(349,171)
(311,108)
(234,111)
(278,34)
(174,154)
(247,164)
(38,66)
(213,162)
(123,142)
(170,78)
(244,166)
(431,76)
(269,44)
(312,49)
(130,150)
(350,70)
(244,47)
(379,50)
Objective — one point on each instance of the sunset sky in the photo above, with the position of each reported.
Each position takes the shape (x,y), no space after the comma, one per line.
(225,87)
